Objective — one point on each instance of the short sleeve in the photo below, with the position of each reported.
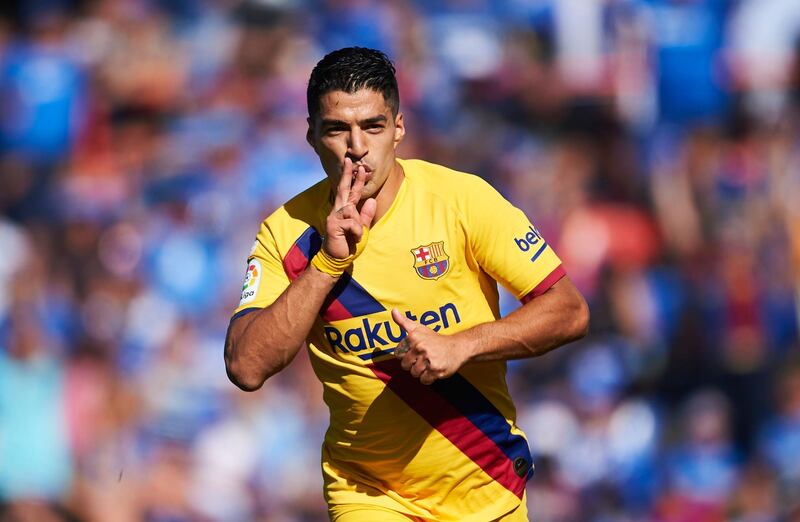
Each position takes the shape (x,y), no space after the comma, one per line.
(265,278)
(507,245)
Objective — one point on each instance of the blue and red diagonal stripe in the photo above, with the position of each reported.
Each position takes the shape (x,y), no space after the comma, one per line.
(347,299)
(296,259)
(457,410)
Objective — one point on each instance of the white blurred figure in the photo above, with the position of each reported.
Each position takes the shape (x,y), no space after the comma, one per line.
(580,43)
(763,35)
(552,428)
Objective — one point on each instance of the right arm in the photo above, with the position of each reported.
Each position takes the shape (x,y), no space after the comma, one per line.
(263,342)
(260,344)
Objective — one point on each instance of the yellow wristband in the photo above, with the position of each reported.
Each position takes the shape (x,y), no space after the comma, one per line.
(330,265)
(333,266)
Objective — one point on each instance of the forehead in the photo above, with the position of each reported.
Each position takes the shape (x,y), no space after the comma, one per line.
(344,106)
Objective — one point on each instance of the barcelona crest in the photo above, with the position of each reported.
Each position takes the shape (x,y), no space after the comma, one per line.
(431,261)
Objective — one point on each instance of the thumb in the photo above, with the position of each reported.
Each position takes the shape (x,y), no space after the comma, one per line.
(404,322)
(368,211)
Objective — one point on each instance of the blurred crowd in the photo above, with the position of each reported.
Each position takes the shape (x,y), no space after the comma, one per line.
(655,143)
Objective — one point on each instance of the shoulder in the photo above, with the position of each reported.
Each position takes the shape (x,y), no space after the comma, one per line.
(470,196)
(305,206)
(294,217)
(445,182)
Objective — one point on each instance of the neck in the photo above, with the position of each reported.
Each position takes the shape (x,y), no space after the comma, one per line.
(388,192)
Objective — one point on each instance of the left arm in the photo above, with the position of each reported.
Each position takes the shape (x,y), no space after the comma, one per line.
(558,316)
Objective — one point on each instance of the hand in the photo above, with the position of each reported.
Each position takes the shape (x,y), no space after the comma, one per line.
(426,354)
(344,226)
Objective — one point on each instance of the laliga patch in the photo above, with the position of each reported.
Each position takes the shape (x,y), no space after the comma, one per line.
(252,250)
(431,261)
(251,280)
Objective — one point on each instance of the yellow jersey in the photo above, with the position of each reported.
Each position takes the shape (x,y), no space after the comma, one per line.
(449,451)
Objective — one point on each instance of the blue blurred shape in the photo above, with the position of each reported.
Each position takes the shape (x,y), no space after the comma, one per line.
(34,457)
(42,91)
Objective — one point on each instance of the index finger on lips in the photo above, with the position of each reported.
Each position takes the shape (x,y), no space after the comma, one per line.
(343,189)
(358,187)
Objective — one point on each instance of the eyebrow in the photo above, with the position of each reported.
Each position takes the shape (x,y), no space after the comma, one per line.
(369,121)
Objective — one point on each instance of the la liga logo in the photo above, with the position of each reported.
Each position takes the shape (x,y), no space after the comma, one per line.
(251,279)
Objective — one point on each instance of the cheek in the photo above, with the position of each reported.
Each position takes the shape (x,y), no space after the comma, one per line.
(331,160)
(332,147)
(385,146)
(329,156)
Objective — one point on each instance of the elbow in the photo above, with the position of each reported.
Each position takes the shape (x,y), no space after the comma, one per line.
(244,380)
(580,319)
(240,369)
(249,375)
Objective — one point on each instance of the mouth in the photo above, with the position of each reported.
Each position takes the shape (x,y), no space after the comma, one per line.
(367,178)
(367,171)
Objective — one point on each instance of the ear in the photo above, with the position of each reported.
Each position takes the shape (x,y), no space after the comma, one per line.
(310,134)
(399,129)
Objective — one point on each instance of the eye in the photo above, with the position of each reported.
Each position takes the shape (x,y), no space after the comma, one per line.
(375,129)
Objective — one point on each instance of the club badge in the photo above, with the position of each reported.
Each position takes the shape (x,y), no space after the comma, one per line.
(431,261)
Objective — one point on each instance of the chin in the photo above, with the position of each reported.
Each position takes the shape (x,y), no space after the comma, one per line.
(369,191)
(365,195)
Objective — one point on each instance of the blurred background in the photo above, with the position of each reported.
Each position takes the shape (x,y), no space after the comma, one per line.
(656,144)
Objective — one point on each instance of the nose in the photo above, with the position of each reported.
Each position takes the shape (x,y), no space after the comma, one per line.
(357,145)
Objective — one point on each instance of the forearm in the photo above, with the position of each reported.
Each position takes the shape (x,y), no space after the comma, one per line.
(555,318)
(263,342)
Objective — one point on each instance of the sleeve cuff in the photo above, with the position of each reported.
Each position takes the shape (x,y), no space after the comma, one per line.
(244,311)
(545,285)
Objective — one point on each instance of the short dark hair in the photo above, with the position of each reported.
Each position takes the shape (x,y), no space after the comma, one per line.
(351,69)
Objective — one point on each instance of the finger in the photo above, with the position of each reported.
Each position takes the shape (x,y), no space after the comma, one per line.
(348,212)
(403,322)
(428,377)
(407,362)
(358,186)
(402,348)
(343,189)
(353,228)
(419,366)
(368,212)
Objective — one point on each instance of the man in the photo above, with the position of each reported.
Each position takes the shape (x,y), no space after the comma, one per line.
(388,268)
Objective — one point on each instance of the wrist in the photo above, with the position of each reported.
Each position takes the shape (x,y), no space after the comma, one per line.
(335,266)
(332,266)
(469,346)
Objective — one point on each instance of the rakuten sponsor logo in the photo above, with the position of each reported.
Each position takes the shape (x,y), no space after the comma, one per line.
(379,334)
